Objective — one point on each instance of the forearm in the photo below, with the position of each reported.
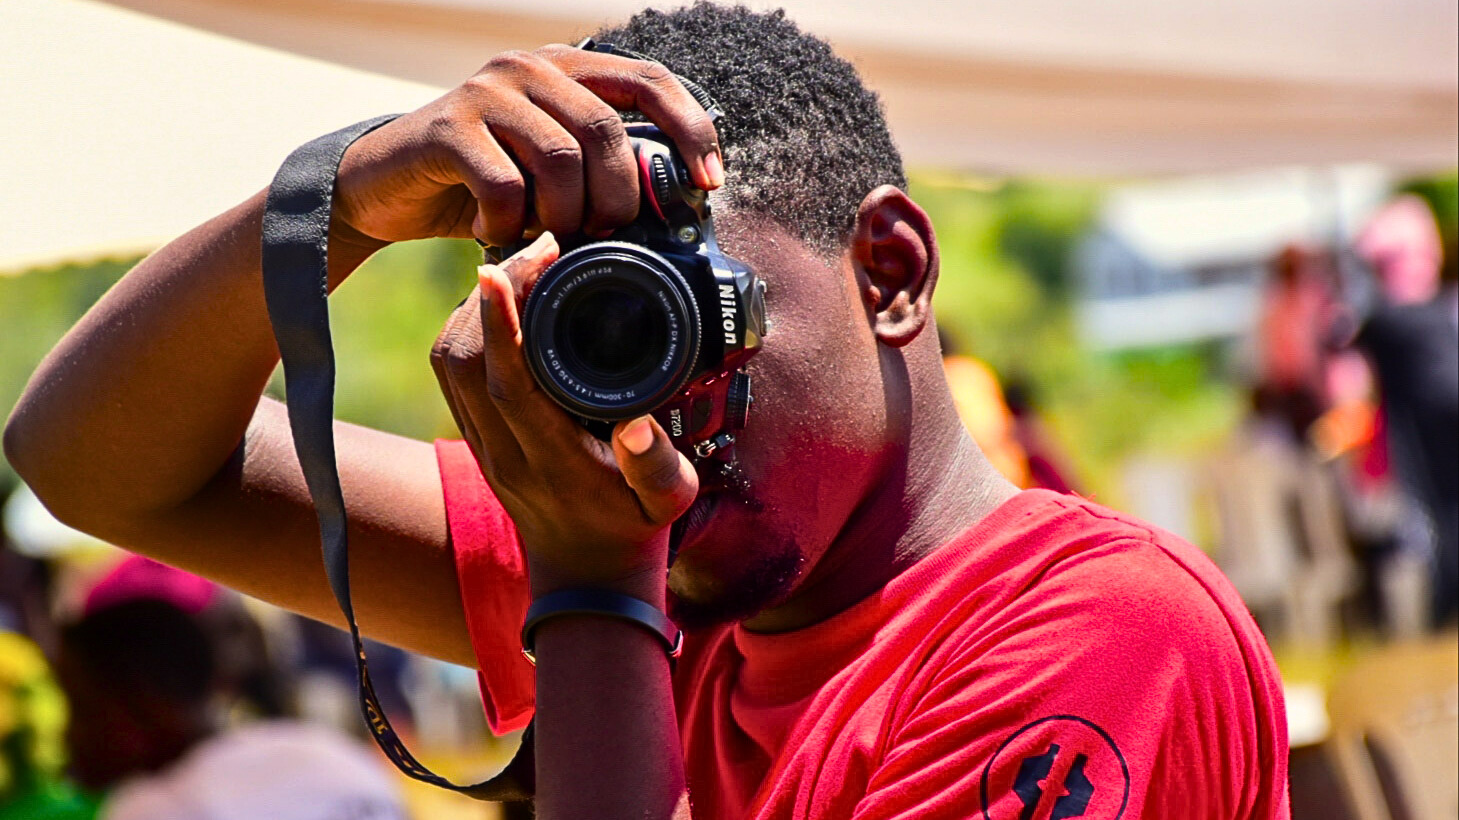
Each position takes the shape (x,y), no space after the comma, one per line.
(607,738)
(165,371)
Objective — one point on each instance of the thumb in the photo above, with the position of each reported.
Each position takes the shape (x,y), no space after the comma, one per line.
(661,477)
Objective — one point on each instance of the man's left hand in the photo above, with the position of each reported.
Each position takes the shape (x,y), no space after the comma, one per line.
(590,513)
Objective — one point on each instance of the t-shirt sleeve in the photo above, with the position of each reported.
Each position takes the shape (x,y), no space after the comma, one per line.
(493,577)
(1118,688)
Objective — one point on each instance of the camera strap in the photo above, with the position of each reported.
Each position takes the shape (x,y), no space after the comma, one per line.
(295,279)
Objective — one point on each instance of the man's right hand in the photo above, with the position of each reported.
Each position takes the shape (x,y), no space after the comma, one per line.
(533,141)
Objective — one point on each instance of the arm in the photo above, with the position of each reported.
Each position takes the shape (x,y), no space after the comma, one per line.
(607,737)
(145,427)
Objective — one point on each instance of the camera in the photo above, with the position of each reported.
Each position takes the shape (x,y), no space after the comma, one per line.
(653,319)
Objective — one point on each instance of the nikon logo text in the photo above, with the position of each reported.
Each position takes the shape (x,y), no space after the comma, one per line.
(727,313)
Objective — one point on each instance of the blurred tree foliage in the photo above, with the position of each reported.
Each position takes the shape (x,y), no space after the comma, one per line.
(1006,295)
(35,309)
(385,318)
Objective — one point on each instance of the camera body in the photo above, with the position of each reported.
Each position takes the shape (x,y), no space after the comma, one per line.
(653,319)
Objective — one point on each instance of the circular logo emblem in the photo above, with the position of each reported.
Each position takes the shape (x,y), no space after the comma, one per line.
(1056,768)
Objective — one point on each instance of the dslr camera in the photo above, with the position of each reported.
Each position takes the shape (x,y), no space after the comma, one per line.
(653,319)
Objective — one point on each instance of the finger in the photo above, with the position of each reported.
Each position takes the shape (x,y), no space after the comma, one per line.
(609,167)
(540,427)
(473,157)
(661,477)
(649,87)
(551,156)
(440,350)
(466,390)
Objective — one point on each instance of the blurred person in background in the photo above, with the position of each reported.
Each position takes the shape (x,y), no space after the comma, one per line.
(248,667)
(142,675)
(1003,421)
(1048,465)
(1297,307)
(1411,340)
(25,585)
(33,718)
(1388,534)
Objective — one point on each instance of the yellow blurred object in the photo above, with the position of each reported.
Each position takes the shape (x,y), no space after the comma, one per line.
(427,802)
(979,400)
(1395,718)
(33,716)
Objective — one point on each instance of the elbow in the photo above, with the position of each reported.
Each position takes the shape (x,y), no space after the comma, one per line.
(25,445)
(16,443)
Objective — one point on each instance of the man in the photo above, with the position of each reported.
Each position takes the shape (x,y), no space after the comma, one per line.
(883,627)
(1411,338)
(142,677)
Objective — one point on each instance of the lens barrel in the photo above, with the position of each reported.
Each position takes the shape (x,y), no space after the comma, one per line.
(611,331)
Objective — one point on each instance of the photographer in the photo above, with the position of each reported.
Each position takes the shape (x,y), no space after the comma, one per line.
(879,625)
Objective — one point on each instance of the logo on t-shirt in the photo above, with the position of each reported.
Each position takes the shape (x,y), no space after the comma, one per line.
(1056,768)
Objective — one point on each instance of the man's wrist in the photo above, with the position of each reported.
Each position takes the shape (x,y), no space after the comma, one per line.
(602,605)
(348,249)
(645,583)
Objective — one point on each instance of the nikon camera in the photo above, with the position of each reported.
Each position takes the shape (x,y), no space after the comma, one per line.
(654,319)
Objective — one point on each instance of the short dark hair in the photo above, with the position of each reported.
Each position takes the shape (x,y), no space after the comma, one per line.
(145,646)
(804,139)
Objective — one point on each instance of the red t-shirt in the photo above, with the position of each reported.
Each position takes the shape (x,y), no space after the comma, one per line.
(1057,660)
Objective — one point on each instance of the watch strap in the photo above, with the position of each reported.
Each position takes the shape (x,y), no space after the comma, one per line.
(604,604)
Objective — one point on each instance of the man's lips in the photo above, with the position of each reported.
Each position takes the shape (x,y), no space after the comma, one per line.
(699,514)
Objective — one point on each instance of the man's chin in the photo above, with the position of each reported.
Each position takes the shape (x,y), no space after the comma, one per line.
(760,585)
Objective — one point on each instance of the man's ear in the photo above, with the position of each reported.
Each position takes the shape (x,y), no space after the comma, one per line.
(895,252)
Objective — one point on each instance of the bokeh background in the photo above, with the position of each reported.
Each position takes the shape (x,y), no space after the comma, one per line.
(1112,185)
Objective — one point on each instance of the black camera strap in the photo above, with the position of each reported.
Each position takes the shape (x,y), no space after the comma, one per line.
(296,286)
(295,280)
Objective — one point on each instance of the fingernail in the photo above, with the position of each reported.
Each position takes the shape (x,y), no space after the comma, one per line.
(483,279)
(715,168)
(538,246)
(637,436)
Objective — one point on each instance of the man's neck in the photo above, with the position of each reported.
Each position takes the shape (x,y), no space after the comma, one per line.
(939,486)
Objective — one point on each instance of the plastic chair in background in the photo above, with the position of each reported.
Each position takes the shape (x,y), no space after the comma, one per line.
(1395,732)
(1281,538)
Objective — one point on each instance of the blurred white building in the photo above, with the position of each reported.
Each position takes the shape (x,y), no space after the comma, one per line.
(1185,259)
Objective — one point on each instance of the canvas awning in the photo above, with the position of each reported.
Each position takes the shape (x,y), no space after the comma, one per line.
(127,123)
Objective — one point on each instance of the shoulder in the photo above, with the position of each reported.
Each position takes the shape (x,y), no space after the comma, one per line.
(1112,652)
(1082,610)
(1113,590)
(273,757)
(1066,567)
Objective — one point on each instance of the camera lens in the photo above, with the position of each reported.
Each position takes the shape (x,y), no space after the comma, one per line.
(611,331)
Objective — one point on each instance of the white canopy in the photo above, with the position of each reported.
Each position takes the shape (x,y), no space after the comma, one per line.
(127,125)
